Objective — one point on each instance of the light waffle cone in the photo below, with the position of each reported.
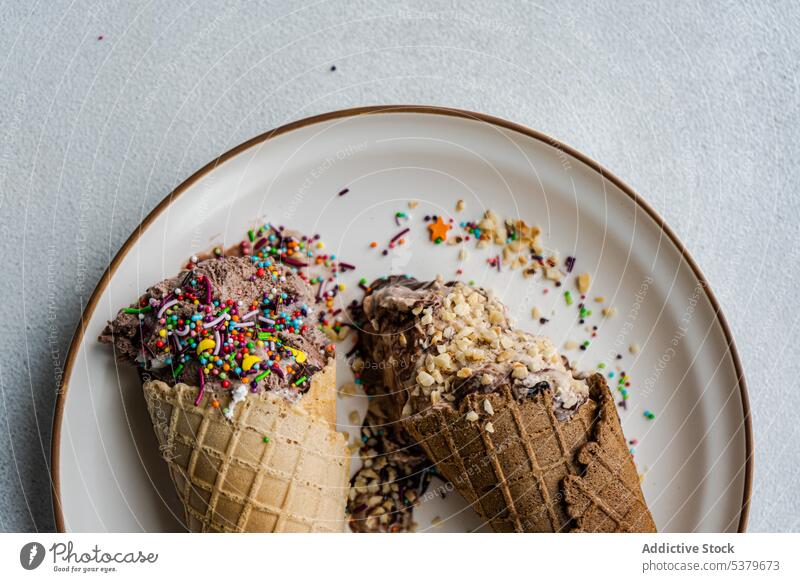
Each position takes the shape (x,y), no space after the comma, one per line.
(515,476)
(229,480)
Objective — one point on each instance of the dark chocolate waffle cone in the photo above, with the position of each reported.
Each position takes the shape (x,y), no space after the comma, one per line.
(606,496)
(514,474)
(275,467)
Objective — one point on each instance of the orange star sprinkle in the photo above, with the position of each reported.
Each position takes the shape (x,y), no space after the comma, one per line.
(439,230)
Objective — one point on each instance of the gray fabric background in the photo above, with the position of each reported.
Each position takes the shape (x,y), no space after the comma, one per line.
(695,104)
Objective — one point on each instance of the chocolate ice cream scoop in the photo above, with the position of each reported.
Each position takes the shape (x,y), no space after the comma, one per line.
(438,342)
(223,322)
(239,335)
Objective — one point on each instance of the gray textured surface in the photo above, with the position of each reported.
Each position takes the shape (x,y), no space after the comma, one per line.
(695,104)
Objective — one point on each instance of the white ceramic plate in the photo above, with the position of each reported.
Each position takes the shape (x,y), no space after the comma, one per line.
(695,454)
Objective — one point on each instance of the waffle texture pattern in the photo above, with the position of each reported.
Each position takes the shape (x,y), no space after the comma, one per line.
(273,468)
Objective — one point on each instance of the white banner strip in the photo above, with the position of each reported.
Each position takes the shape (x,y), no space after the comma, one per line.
(385,557)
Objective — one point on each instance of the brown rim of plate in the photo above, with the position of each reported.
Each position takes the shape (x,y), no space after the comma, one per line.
(373,110)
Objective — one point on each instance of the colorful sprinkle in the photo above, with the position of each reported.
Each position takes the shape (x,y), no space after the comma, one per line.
(439,230)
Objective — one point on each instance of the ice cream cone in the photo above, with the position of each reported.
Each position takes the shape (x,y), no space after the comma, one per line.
(527,473)
(273,467)
(606,494)
(531,446)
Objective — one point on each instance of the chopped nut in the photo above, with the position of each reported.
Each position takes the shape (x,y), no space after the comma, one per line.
(460,205)
(570,345)
(489,427)
(472,416)
(583,283)
(487,406)
(505,355)
(412,204)
(599,299)
(354,417)
(519,371)
(486,379)
(369,474)
(463,254)
(443,361)
(609,312)
(430,364)
(489,336)
(486,225)
(464,373)
(500,235)
(427,316)
(634,348)
(348,389)
(536,313)
(552,273)
(425,379)
(436,521)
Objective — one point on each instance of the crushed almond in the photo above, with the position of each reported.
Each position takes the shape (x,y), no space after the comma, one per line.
(425,379)
(519,371)
(583,283)
(552,273)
